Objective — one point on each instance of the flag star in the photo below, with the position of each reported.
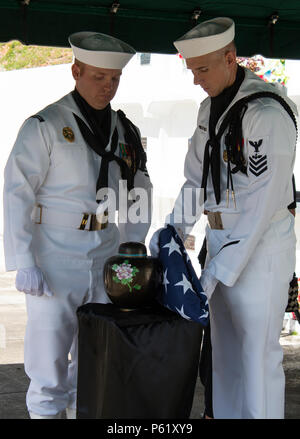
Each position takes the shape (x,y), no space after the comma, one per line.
(204,315)
(185,284)
(204,297)
(181,312)
(165,281)
(172,246)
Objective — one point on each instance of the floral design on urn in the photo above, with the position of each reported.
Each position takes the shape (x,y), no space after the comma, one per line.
(125,274)
(131,278)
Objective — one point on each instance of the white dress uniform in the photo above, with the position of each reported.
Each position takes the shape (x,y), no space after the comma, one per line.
(46,169)
(252,258)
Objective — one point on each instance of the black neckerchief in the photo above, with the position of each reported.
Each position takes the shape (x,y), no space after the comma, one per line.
(212,158)
(218,104)
(98,138)
(99,120)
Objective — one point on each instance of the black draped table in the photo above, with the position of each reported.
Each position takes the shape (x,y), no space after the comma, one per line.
(138,364)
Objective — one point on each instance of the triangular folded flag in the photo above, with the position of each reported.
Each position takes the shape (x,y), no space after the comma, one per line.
(182,291)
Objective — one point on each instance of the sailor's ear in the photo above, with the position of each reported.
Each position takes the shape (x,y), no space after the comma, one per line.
(230,58)
(75,71)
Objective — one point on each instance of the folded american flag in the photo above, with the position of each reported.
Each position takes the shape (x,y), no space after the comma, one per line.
(182,290)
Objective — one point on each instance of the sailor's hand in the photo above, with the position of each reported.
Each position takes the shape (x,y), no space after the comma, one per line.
(32,281)
(208,283)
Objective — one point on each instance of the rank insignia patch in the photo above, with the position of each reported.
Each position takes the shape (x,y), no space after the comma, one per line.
(256,145)
(68,134)
(258,163)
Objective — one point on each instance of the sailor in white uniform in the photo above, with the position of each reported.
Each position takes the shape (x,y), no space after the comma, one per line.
(244,166)
(66,161)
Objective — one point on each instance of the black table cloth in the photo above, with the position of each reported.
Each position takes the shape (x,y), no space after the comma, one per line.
(139,364)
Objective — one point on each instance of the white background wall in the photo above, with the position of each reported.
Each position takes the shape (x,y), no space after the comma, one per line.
(160,98)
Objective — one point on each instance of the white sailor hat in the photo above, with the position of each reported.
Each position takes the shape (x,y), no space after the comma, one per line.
(100,50)
(206,37)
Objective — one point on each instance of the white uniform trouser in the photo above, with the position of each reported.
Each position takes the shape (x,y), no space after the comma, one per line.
(246,321)
(51,334)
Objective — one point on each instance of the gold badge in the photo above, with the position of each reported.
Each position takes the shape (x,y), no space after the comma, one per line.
(225,157)
(68,134)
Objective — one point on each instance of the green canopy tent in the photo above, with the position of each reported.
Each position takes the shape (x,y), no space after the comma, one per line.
(267,27)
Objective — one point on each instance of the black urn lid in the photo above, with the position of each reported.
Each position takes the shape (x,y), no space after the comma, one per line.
(133,249)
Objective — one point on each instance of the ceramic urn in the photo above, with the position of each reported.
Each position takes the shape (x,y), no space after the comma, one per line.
(131,278)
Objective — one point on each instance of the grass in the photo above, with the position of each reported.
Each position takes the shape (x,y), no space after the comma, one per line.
(14,55)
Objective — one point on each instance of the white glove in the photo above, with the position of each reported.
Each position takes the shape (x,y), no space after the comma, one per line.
(154,243)
(31,281)
(208,283)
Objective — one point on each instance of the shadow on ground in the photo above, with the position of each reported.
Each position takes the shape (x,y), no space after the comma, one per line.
(14,383)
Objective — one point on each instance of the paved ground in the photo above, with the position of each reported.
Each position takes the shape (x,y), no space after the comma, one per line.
(14,382)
